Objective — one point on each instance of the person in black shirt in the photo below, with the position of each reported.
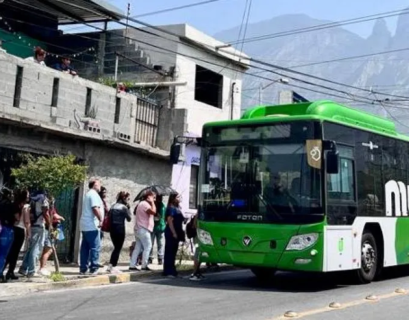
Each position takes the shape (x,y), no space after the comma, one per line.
(7,221)
(65,66)
(118,213)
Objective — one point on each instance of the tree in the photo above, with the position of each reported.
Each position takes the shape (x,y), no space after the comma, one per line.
(54,174)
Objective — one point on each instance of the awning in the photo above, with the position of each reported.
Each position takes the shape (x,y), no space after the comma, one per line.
(75,11)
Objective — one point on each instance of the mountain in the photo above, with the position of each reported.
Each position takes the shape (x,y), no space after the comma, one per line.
(274,41)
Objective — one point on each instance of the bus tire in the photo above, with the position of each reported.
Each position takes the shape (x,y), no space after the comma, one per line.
(264,274)
(369,259)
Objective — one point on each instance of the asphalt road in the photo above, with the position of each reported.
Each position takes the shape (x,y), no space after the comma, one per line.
(226,295)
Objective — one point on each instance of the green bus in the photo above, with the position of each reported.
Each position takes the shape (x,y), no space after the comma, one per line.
(313,186)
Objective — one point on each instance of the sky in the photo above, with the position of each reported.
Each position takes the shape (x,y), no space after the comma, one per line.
(224,14)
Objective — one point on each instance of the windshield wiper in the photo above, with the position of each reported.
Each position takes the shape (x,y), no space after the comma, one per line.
(268,205)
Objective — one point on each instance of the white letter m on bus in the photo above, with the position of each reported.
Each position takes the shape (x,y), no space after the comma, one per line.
(400,191)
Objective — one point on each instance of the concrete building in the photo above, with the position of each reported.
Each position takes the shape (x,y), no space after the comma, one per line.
(43,111)
(199,76)
(211,76)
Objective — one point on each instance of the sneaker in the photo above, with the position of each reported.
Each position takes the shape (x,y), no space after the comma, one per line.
(94,273)
(114,270)
(201,276)
(133,269)
(33,275)
(22,273)
(44,272)
(194,277)
(11,276)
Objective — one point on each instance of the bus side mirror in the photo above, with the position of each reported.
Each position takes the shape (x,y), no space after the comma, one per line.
(332,161)
(174,153)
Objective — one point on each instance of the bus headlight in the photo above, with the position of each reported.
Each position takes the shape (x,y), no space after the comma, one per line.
(204,237)
(302,241)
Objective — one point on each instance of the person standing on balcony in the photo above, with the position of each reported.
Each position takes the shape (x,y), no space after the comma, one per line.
(39,56)
(90,225)
(65,66)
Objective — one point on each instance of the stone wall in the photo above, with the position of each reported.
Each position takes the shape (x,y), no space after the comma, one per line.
(31,92)
(45,111)
(123,171)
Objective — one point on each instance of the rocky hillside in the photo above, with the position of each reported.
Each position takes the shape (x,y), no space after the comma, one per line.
(387,73)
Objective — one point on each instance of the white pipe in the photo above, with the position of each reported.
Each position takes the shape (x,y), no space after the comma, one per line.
(116,67)
(165,84)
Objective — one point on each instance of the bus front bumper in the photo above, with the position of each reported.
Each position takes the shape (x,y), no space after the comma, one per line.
(262,251)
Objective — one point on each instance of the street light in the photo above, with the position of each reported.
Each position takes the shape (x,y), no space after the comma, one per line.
(261,88)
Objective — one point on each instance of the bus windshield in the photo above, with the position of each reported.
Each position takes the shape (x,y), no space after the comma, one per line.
(262,180)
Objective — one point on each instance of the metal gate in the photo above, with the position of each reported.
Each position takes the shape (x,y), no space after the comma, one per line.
(66,205)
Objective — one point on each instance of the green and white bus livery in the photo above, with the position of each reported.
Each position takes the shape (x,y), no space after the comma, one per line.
(305,187)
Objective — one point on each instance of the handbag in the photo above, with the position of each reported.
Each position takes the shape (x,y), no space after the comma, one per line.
(106,224)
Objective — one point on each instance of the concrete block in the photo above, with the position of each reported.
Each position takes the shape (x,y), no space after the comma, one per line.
(62,122)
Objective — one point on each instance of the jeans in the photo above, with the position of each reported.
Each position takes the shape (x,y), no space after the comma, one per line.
(6,240)
(35,246)
(12,257)
(118,239)
(143,243)
(171,249)
(90,247)
(160,238)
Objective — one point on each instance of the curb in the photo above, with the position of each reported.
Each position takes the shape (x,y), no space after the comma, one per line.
(108,279)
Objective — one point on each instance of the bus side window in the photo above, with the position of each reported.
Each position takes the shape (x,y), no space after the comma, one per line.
(341,186)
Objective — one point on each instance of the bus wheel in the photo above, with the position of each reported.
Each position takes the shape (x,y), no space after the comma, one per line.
(264,274)
(369,259)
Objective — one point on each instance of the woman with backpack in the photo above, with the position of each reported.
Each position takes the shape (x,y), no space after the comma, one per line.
(173,234)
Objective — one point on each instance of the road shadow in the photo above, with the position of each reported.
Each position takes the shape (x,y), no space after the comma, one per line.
(289,282)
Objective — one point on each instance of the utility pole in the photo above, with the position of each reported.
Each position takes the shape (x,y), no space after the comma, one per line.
(128,13)
(232,100)
(261,88)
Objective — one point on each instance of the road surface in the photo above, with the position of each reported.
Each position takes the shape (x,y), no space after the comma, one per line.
(225,296)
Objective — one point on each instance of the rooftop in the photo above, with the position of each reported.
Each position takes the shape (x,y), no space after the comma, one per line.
(73,11)
(191,35)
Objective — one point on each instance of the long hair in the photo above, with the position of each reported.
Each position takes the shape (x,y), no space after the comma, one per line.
(21,196)
(122,196)
(147,194)
(172,198)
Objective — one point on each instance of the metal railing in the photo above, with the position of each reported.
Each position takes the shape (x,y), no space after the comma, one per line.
(147,122)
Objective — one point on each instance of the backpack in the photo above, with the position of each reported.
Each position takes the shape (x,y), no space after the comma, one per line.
(33,213)
(191,231)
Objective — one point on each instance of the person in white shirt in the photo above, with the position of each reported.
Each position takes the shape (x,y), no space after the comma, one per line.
(39,56)
(90,226)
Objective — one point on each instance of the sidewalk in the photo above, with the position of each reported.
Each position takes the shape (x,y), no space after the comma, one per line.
(74,280)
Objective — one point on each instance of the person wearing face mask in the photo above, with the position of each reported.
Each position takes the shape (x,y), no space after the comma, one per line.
(144,224)
(118,213)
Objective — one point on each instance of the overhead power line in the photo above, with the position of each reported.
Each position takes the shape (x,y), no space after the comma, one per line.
(254,60)
(196,4)
(324,26)
(323,79)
